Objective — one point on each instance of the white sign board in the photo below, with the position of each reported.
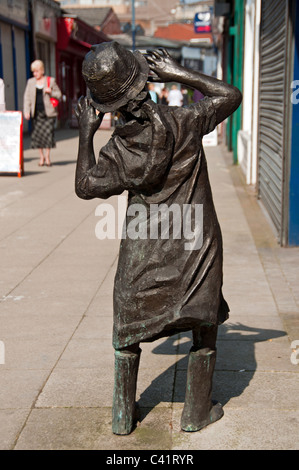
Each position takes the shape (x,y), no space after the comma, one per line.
(11,142)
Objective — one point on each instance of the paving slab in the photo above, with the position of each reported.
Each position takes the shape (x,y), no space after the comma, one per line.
(56,313)
(89,429)
(242,429)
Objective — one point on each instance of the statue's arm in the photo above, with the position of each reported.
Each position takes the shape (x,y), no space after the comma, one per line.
(89,122)
(226,98)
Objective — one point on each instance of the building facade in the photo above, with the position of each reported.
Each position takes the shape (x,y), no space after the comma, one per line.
(39,29)
(15,26)
(74,38)
(264,137)
(28,30)
(45,14)
(149,14)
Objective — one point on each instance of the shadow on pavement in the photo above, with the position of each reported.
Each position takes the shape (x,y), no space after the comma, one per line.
(232,375)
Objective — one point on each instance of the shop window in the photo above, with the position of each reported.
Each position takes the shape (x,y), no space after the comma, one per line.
(43,53)
(194,64)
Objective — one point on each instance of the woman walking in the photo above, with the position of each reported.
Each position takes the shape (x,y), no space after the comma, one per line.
(37,105)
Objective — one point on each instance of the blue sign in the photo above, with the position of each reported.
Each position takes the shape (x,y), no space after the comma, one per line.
(203,22)
(293,229)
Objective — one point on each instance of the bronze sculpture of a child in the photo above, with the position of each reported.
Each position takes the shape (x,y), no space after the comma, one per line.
(160,287)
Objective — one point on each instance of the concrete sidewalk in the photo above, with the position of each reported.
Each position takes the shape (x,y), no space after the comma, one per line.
(56,284)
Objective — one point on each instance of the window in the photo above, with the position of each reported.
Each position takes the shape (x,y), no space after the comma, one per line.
(43,53)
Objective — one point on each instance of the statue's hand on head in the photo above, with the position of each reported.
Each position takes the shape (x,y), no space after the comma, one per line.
(162,66)
(89,118)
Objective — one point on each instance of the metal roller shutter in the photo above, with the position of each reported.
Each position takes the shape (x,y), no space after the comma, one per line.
(273,49)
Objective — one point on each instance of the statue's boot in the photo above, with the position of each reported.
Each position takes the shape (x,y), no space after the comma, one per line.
(124,411)
(199,410)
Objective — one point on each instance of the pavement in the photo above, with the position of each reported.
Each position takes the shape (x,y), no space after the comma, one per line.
(56,375)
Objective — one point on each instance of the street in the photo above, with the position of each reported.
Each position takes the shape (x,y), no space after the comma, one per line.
(57,367)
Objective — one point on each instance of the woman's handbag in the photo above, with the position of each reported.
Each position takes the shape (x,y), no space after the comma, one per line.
(54,101)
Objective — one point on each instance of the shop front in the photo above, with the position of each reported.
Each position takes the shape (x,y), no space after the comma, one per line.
(74,40)
(44,19)
(278,118)
(14,51)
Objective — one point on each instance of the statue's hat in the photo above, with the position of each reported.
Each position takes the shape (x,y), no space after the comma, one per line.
(113,75)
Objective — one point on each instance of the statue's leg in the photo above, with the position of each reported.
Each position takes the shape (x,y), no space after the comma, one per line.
(124,395)
(199,411)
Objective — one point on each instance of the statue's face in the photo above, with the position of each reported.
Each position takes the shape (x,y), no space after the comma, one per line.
(134,106)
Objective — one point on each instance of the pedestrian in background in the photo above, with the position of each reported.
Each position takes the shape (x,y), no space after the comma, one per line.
(163,97)
(37,105)
(197,96)
(175,97)
(152,92)
(185,96)
(2,96)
